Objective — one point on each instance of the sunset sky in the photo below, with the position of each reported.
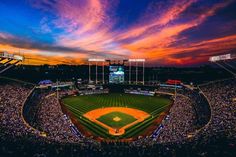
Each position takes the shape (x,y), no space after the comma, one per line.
(164,32)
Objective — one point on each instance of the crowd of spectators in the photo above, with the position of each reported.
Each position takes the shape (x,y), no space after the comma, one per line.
(44,113)
(222,98)
(200,105)
(180,121)
(12,97)
(199,118)
(50,128)
(52,121)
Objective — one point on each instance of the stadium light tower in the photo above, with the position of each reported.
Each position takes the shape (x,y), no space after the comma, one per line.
(130,72)
(96,60)
(10,59)
(225,57)
(136,63)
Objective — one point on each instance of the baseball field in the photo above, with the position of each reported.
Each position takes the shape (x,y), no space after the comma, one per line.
(116,115)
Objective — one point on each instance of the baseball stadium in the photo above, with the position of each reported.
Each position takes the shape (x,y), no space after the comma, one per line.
(117,78)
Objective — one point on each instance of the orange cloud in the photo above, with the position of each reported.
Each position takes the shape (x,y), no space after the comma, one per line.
(158,44)
(37,57)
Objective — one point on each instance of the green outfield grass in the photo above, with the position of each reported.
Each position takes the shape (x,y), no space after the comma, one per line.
(122,119)
(80,105)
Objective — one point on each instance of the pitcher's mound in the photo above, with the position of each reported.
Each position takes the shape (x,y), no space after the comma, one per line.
(117,119)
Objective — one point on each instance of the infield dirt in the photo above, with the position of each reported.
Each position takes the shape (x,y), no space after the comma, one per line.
(137,114)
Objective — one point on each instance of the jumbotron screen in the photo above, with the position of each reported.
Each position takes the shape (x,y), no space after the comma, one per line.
(116,74)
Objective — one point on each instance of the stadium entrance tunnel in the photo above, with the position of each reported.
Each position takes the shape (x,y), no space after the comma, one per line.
(116,119)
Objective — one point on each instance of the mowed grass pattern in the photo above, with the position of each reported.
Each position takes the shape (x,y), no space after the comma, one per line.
(152,105)
(108,119)
(80,105)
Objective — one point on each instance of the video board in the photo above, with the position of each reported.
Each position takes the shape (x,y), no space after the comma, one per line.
(116,74)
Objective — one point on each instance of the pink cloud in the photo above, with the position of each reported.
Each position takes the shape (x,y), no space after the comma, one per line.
(88,26)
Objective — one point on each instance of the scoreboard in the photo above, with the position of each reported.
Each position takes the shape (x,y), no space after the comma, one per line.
(116,74)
